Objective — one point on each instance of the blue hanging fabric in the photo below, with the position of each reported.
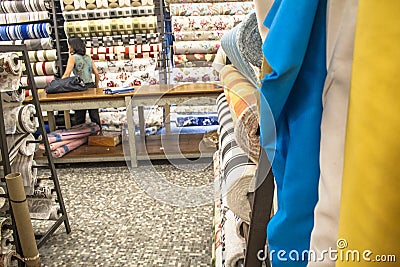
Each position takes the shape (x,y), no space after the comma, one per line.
(295,48)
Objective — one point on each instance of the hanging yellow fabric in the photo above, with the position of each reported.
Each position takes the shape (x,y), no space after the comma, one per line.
(369,227)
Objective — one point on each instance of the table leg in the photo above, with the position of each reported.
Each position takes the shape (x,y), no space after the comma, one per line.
(167,119)
(52,120)
(67,119)
(131,132)
(141,121)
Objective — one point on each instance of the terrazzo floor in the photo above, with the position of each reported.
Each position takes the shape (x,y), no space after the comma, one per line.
(115,222)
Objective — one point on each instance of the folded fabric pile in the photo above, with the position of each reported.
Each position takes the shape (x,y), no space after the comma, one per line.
(65,140)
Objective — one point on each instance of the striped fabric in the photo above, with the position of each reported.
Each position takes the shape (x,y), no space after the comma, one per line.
(243,100)
(25,31)
(235,165)
(32,44)
(23,6)
(13,18)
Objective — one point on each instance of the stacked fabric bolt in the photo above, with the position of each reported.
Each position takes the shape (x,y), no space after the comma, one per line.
(24,17)
(198,28)
(70,5)
(109,13)
(122,40)
(65,140)
(124,52)
(107,27)
(133,72)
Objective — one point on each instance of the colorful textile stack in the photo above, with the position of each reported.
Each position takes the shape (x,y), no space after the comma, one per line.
(120,36)
(65,140)
(198,28)
(28,22)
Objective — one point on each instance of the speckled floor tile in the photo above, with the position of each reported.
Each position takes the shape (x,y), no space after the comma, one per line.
(115,222)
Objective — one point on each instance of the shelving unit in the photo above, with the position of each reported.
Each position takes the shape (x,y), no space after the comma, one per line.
(49,165)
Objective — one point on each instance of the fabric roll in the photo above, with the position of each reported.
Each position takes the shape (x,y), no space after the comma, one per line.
(17,143)
(198,1)
(242,46)
(22,219)
(342,17)
(42,55)
(243,99)
(40,208)
(184,59)
(24,6)
(14,18)
(205,23)
(129,73)
(206,9)
(75,132)
(234,244)
(124,52)
(40,81)
(44,68)
(13,96)
(294,98)
(23,164)
(122,40)
(196,47)
(202,74)
(32,44)
(198,35)
(25,31)
(370,203)
(20,119)
(10,71)
(27,122)
(55,145)
(65,149)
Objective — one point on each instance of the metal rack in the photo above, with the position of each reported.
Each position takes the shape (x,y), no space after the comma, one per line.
(5,163)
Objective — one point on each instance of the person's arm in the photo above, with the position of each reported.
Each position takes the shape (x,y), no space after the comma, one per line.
(70,66)
(96,75)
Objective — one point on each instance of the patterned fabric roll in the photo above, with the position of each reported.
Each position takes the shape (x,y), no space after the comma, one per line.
(19,143)
(122,40)
(75,132)
(202,74)
(206,9)
(181,59)
(70,5)
(109,13)
(25,31)
(13,96)
(40,81)
(199,35)
(42,55)
(75,143)
(44,68)
(13,18)
(198,1)
(23,6)
(127,72)
(196,47)
(110,26)
(20,118)
(124,52)
(205,23)
(32,44)
(10,71)
(23,164)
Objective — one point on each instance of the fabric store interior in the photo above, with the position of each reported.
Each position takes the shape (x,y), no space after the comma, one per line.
(199,133)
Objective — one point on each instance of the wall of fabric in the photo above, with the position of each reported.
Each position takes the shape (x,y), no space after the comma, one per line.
(198,27)
(120,36)
(28,22)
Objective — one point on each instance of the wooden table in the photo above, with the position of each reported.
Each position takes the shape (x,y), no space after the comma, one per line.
(195,94)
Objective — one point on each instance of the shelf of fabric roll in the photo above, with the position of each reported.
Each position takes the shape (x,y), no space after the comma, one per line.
(197,28)
(154,147)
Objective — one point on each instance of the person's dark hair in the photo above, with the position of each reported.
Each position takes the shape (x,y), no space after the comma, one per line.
(78,46)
